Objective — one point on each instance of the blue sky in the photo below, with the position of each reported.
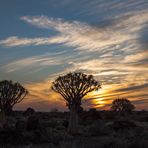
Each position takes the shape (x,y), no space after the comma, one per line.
(40,40)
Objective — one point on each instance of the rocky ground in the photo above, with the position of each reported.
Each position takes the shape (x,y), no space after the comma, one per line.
(97,129)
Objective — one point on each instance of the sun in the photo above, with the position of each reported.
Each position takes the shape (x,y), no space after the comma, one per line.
(98,99)
(98,96)
(99,102)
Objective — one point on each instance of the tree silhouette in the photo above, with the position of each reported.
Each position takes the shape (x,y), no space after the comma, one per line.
(73,87)
(122,105)
(10,94)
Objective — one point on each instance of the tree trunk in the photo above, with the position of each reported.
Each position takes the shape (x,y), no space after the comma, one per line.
(2,117)
(8,110)
(73,122)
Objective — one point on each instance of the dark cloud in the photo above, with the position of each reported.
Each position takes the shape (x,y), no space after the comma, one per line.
(133,88)
(142,101)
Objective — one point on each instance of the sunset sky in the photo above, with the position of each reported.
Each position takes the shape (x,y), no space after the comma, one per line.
(42,39)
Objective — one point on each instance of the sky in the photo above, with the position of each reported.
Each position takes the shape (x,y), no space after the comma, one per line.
(42,39)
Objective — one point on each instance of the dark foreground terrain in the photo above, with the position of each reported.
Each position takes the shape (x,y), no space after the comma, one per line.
(97,129)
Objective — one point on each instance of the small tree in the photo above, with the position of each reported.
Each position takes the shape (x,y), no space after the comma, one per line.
(10,94)
(73,87)
(122,105)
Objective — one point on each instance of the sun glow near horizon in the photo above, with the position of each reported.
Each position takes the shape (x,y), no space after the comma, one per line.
(98,97)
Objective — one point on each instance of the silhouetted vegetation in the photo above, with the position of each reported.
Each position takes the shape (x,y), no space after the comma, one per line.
(73,87)
(29,111)
(50,130)
(122,105)
(94,129)
(10,94)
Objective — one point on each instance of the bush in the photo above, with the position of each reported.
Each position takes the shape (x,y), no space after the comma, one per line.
(33,123)
(20,125)
(109,115)
(138,143)
(12,137)
(95,129)
(29,111)
(123,125)
(89,117)
(58,136)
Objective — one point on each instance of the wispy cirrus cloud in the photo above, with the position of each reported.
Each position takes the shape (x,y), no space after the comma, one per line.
(137,57)
(47,59)
(16,41)
(83,36)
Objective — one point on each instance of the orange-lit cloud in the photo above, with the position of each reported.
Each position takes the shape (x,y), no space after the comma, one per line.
(41,97)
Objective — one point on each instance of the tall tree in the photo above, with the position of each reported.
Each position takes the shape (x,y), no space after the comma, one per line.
(10,94)
(122,105)
(73,87)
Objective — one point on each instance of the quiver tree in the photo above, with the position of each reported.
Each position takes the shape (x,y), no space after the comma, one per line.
(122,105)
(73,87)
(10,94)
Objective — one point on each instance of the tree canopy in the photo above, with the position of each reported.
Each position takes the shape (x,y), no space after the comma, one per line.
(74,86)
(10,94)
(122,105)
